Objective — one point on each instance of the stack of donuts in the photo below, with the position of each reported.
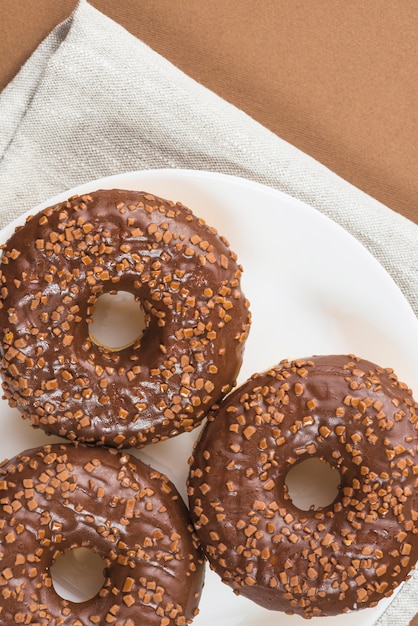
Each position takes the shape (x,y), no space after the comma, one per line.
(89,491)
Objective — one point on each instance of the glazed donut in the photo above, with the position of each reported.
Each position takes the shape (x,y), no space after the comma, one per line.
(348,412)
(63,496)
(187,281)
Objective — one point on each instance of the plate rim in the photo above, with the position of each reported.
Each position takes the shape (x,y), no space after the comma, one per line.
(300,205)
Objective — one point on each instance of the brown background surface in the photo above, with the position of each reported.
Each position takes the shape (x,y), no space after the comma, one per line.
(336,78)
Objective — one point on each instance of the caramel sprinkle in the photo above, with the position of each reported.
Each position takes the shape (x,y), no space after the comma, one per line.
(326,560)
(140,527)
(187,281)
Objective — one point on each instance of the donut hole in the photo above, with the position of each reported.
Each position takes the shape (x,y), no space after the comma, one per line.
(78,575)
(312,484)
(117,320)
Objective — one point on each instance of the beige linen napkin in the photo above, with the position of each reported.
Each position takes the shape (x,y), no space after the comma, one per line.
(94,101)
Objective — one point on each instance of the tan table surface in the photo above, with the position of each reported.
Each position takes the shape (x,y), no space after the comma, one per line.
(336,79)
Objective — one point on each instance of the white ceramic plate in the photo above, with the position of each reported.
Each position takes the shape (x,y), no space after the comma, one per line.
(313,290)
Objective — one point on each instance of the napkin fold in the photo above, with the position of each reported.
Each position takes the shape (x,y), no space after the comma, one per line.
(94,101)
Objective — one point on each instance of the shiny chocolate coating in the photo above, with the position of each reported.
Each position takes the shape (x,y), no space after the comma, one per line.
(64,496)
(187,280)
(346,411)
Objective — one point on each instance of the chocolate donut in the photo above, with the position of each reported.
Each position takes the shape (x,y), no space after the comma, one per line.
(63,496)
(187,281)
(344,410)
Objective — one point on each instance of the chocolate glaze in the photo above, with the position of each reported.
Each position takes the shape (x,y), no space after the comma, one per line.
(62,496)
(188,282)
(342,409)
